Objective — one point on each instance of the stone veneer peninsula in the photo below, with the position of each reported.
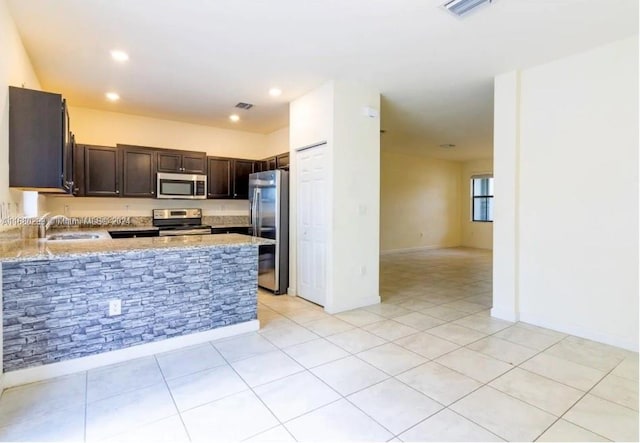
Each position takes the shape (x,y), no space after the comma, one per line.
(55,295)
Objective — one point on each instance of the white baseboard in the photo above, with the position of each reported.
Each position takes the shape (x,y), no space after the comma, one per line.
(359,303)
(630,344)
(37,373)
(415,249)
(505,314)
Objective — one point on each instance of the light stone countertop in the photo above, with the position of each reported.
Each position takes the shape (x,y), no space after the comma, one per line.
(14,248)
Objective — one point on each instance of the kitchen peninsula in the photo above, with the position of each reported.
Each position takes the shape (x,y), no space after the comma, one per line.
(56,295)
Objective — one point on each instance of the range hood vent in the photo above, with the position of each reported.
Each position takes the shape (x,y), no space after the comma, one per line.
(463,7)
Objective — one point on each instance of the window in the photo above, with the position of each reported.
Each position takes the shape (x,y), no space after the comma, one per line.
(482,198)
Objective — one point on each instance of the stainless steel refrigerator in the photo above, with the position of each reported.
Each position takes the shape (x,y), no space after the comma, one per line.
(269,198)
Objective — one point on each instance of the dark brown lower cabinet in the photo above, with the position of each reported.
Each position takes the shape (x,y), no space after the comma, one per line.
(102,168)
(138,172)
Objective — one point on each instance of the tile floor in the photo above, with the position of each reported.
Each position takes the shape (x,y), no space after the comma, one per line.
(427,364)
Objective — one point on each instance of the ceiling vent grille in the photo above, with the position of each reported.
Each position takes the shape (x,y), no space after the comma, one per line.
(463,7)
(245,106)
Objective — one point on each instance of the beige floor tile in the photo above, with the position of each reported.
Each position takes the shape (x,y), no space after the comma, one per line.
(503,415)
(443,313)
(203,387)
(126,412)
(315,352)
(288,335)
(36,401)
(416,304)
(539,391)
(390,329)
(232,418)
(618,390)
(457,334)
(277,434)
(562,431)
(527,337)
(439,382)
(338,421)
(356,340)
(65,424)
(243,346)
(391,358)
(427,345)
(394,405)
(265,368)
(563,371)
(283,397)
(446,425)
(628,368)
(465,306)
(483,323)
(359,317)
(605,418)
(419,321)
(328,326)
(166,430)
(503,350)
(189,360)
(122,377)
(306,315)
(349,375)
(387,310)
(473,364)
(588,353)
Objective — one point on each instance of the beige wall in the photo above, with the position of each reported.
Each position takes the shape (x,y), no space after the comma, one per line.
(419,202)
(474,234)
(566,177)
(278,142)
(15,70)
(92,126)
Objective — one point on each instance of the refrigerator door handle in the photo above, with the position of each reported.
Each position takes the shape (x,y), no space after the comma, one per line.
(258,210)
(254,213)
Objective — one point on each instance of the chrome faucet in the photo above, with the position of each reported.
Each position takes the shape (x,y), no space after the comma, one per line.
(45,223)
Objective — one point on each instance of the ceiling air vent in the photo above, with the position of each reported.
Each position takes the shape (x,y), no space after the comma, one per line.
(245,106)
(463,7)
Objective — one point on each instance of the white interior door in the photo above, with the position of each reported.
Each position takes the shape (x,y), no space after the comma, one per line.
(312,224)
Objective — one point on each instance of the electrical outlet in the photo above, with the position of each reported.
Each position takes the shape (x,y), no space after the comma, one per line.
(115,307)
(363,270)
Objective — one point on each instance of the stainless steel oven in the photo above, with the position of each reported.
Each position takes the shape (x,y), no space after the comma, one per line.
(182,186)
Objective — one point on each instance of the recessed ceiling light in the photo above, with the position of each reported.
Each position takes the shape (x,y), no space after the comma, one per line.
(234,118)
(275,92)
(112,96)
(119,56)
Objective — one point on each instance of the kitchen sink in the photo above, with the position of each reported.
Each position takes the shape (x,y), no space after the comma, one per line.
(74,236)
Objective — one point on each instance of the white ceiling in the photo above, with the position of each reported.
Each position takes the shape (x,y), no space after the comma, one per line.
(193,60)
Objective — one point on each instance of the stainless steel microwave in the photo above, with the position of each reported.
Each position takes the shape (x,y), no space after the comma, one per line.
(182,186)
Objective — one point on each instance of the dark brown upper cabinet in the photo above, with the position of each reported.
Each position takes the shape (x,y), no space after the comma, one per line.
(138,171)
(229,177)
(219,177)
(282,161)
(102,171)
(181,161)
(78,170)
(40,141)
(241,171)
(271,164)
